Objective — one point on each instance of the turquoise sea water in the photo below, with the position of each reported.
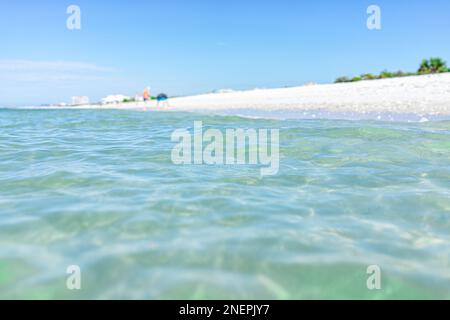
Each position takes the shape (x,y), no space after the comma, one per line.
(97,189)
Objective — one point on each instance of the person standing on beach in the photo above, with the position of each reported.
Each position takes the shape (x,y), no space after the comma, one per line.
(146,94)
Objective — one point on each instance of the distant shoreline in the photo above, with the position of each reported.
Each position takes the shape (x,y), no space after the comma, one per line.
(422,95)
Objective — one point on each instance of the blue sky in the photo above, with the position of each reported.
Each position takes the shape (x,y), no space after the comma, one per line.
(187,47)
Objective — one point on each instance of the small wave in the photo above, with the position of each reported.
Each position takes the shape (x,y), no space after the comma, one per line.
(320,114)
(278,114)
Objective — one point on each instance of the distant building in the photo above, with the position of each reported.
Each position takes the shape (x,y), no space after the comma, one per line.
(78,101)
(118,98)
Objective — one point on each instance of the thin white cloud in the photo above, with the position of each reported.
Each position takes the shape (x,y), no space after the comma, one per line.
(31,81)
(50,66)
(56,73)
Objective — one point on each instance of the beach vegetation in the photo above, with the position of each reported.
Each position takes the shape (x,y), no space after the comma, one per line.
(427,66)
(424,67)
(433,65)
(368,76)
(386,74)
(437,65)
(342,79)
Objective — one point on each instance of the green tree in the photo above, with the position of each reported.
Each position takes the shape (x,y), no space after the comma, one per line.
(433,65)
(424,67)
(437,65)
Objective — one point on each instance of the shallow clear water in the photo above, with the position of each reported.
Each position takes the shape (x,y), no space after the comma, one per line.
(97,188)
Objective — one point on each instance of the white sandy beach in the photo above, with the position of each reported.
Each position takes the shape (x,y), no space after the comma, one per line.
(422,95)
(428,94)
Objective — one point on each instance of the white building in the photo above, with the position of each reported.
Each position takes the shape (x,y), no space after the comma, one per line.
(118,98)
(82,100)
